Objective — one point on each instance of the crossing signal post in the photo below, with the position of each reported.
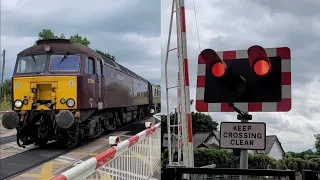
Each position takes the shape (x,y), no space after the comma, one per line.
(252,80)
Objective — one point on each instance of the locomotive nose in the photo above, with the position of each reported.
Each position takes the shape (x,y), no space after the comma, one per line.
(10,120)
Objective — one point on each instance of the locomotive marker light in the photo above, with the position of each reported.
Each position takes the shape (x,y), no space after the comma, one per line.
(62,101)
(25,101)
(114,140)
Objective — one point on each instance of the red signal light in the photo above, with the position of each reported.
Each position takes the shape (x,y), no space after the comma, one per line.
(218,69)
(261,67)
(214,64)
(259,60)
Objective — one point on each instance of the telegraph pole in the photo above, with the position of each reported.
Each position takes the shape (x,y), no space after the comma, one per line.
(2,73)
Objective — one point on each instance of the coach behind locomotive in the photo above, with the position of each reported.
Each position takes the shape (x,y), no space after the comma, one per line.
(66,91)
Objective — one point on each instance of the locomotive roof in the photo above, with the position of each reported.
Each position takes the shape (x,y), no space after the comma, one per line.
(65,45)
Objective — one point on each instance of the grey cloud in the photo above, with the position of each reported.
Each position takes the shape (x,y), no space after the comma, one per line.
(85,18)
(308,8)
(126,29)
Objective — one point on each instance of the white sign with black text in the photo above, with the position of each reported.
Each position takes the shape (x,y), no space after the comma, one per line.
(243,135)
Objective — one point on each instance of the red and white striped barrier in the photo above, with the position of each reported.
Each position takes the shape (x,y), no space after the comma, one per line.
(117,160)
(2,112)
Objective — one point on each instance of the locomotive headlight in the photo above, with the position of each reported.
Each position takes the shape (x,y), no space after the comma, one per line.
(70,102)
(18,103)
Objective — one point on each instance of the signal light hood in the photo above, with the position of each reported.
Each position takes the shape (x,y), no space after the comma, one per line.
(210,57)
(218,68)
(259,60)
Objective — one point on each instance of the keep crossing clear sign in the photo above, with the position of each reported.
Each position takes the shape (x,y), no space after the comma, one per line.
(243,135)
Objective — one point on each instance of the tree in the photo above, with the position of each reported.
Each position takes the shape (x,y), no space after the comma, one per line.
(200,122)
(302,155)
(7,90)
(203,123)
(106,55)
(79,39)
(46,34)
(62,36)
(317,143)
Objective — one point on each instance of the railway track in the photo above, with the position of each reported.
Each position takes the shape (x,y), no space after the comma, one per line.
(33,160)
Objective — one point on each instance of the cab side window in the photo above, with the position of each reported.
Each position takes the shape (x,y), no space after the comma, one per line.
(89,66)
(99,68)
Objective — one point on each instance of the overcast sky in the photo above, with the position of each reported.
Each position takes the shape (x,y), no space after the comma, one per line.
(129,30)
(238,24)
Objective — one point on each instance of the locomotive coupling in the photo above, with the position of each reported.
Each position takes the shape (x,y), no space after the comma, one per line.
(10,120)
(64,119)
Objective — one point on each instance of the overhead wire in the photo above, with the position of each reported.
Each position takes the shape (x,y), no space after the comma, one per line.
(195,15)
(197,27)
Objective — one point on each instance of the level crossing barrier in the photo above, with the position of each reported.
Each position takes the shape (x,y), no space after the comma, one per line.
(135,158)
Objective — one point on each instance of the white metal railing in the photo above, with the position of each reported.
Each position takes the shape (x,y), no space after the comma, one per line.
(135,158)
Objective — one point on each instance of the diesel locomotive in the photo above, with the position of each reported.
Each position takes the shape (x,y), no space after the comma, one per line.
(68,92)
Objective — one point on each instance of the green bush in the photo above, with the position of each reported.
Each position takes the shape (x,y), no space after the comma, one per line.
(226,159)
(261,161)
(5,103)
(222,158)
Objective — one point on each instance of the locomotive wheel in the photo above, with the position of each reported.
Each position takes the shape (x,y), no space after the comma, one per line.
(110,124)
(119,119)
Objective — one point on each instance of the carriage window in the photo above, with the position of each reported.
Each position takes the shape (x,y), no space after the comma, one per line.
(31,64)
(89,64)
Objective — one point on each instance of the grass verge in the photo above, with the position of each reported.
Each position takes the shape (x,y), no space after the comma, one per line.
(4,106)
